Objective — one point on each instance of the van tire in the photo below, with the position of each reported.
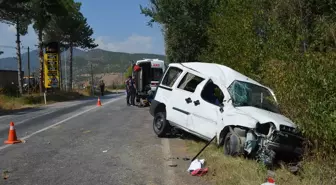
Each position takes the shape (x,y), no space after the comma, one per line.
(231,145)
(161,126)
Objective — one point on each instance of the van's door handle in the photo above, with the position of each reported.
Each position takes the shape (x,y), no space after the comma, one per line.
(196,102)
(188,100)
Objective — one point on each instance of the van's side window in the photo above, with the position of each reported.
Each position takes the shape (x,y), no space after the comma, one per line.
(189,82)
(212,94)
(171,76)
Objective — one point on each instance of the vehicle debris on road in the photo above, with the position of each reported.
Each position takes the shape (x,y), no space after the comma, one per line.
(184,158)
(196,164)
(269,181)
(196,168)
(5,174)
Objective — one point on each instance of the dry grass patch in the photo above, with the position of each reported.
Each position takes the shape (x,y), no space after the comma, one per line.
(238,171)
(9,103)
(14,103)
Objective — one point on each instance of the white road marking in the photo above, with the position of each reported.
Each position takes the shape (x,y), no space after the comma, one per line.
(169,174)
(33,117)
(61,122)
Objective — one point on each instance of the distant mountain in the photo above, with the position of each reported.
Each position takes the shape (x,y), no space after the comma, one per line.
(10,63)
(107,62)
(102,60)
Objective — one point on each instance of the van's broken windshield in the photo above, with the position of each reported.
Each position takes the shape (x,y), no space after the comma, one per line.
(248,94)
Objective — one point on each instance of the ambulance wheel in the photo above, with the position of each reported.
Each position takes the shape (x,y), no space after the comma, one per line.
(161,126)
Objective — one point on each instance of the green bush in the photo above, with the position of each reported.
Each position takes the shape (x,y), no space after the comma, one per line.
(305,84)
(306,89)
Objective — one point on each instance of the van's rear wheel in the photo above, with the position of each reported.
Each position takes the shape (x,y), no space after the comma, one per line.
(160,125)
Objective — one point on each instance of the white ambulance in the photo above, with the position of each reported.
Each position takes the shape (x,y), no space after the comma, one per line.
(147,73)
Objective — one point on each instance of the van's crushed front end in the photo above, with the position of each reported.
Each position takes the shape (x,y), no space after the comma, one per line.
(266,143)
(270,134)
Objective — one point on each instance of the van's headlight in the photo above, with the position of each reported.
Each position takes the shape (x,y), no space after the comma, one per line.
(285,128)
(265,128)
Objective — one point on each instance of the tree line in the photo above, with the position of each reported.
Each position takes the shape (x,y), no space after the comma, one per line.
(288,45)
(60,21)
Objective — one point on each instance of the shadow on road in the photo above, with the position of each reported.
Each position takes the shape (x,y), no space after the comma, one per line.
(19,111)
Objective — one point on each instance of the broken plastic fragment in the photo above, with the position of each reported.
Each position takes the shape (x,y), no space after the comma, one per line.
(196,164)
(270,181)
(5,174)
(266,156)
(199,172)
(250,142)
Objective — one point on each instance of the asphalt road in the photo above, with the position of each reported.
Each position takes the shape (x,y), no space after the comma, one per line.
(79,143)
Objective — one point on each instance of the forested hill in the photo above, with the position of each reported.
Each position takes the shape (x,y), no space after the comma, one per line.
(105,61)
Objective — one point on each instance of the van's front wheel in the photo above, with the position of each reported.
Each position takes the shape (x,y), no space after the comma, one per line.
(231,145)
(160,125)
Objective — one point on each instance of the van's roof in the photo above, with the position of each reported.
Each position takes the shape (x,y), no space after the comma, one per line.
(222,73)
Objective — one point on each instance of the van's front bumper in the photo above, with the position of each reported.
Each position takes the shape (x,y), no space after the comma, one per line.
(285,142)
(282,148)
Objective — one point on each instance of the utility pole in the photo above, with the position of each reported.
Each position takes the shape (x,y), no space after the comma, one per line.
(28,70)
(19,60)
(60,68)
(92,85)
(65,71)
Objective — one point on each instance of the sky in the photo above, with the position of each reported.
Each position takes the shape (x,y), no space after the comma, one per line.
(117,24)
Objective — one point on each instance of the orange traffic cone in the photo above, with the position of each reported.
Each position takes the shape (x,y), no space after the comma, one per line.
(99,102)
(12,139)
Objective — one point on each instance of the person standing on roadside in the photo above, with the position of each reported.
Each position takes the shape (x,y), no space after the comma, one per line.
(133,91)
(128,89)
(102,88)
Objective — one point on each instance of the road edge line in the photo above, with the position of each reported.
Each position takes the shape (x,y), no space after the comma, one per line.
(169,173)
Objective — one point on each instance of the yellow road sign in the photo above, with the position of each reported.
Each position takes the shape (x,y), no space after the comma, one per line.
(51,70)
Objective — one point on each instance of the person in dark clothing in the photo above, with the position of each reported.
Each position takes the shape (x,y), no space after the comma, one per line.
(102,87)
(133,91)
(128,90)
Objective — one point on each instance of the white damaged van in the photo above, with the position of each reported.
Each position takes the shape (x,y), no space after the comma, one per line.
(211,100)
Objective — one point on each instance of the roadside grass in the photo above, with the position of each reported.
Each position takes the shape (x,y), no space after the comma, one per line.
(10,103)
(238,171)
